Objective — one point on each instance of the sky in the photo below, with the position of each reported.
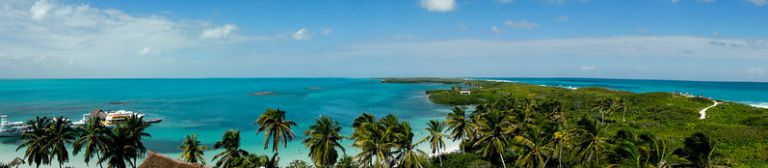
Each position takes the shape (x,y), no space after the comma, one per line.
(708,40)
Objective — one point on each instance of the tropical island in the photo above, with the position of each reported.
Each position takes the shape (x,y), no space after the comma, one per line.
(498,124)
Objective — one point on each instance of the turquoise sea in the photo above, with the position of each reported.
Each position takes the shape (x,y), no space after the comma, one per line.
(208,107)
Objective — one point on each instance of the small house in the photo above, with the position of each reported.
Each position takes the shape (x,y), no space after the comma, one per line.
(465,92)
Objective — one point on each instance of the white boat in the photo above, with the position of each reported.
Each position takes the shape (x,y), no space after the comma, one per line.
(11,129)
(110,118)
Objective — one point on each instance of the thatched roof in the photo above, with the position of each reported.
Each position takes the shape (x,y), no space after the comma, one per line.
(98,113)
(155,160)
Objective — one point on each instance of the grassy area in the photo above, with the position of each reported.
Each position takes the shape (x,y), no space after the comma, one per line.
(740,130)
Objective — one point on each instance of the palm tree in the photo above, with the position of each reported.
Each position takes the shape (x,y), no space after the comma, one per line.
(591,141)
(322,140)
(36,141)
(192,150)
(535,146)
(699,150)
(60,134)
(435,138)
(493,130)
(458,124)
(230,142)
(362,119)
(93,138)
(121,149)
(135,127)
(409,156)
(275,127)
(375,140)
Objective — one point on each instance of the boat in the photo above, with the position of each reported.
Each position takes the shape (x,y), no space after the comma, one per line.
(12,129)
(111,118)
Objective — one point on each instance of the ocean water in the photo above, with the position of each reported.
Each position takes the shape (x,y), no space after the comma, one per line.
(208,107)
(753,93)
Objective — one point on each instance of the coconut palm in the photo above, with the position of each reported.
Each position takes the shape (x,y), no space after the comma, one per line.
(591,141)
(458,124)
(230,142)
(435,138)
(493,129)
(362,119)
(376,140)
(409,156)
(135,127)
(699,150)
(535,145)
(192,150)
(36,142)
(60,134)
(276,128)
(322,140)
(120,149)
(93,138)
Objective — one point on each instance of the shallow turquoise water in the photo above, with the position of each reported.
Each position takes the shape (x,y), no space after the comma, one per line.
(208,107)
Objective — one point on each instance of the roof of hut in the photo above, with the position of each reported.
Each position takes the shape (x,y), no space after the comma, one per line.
(155,160)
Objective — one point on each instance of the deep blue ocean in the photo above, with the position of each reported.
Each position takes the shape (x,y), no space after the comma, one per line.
(208,107)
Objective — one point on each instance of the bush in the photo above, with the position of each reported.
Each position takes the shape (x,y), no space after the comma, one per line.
(459,160)
(298,164)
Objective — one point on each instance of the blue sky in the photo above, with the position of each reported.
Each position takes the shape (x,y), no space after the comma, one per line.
(723,40)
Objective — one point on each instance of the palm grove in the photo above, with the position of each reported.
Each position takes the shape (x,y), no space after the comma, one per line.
(509,132)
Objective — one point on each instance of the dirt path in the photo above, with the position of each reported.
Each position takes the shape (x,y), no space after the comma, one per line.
(703,112)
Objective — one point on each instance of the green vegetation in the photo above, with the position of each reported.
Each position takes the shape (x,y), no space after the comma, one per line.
(738,129)
(192,150)
(511,125)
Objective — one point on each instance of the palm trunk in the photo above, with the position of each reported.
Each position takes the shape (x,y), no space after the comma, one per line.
(560,156)
(502,160)
(99,157)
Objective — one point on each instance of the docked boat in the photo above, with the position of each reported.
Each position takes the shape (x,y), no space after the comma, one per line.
(111,118)
(12,129)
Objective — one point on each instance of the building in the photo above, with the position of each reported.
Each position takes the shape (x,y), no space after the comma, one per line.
(465,92)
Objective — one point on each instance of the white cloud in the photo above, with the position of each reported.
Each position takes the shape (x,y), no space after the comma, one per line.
(438,5)
(219,32)
(588,68)
(756,71)
(44,38)
(402,37)
(706,1)
(144,51)
(302,34)
(495,29)
(759,2)
(505,1)
(522,24)
(621,46)
(563,18)
(326,31)
(675,1)
(40,9)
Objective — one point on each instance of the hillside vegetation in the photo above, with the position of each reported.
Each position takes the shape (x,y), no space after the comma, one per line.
(739,130)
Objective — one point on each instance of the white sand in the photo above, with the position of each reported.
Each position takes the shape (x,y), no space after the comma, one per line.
(703,112)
